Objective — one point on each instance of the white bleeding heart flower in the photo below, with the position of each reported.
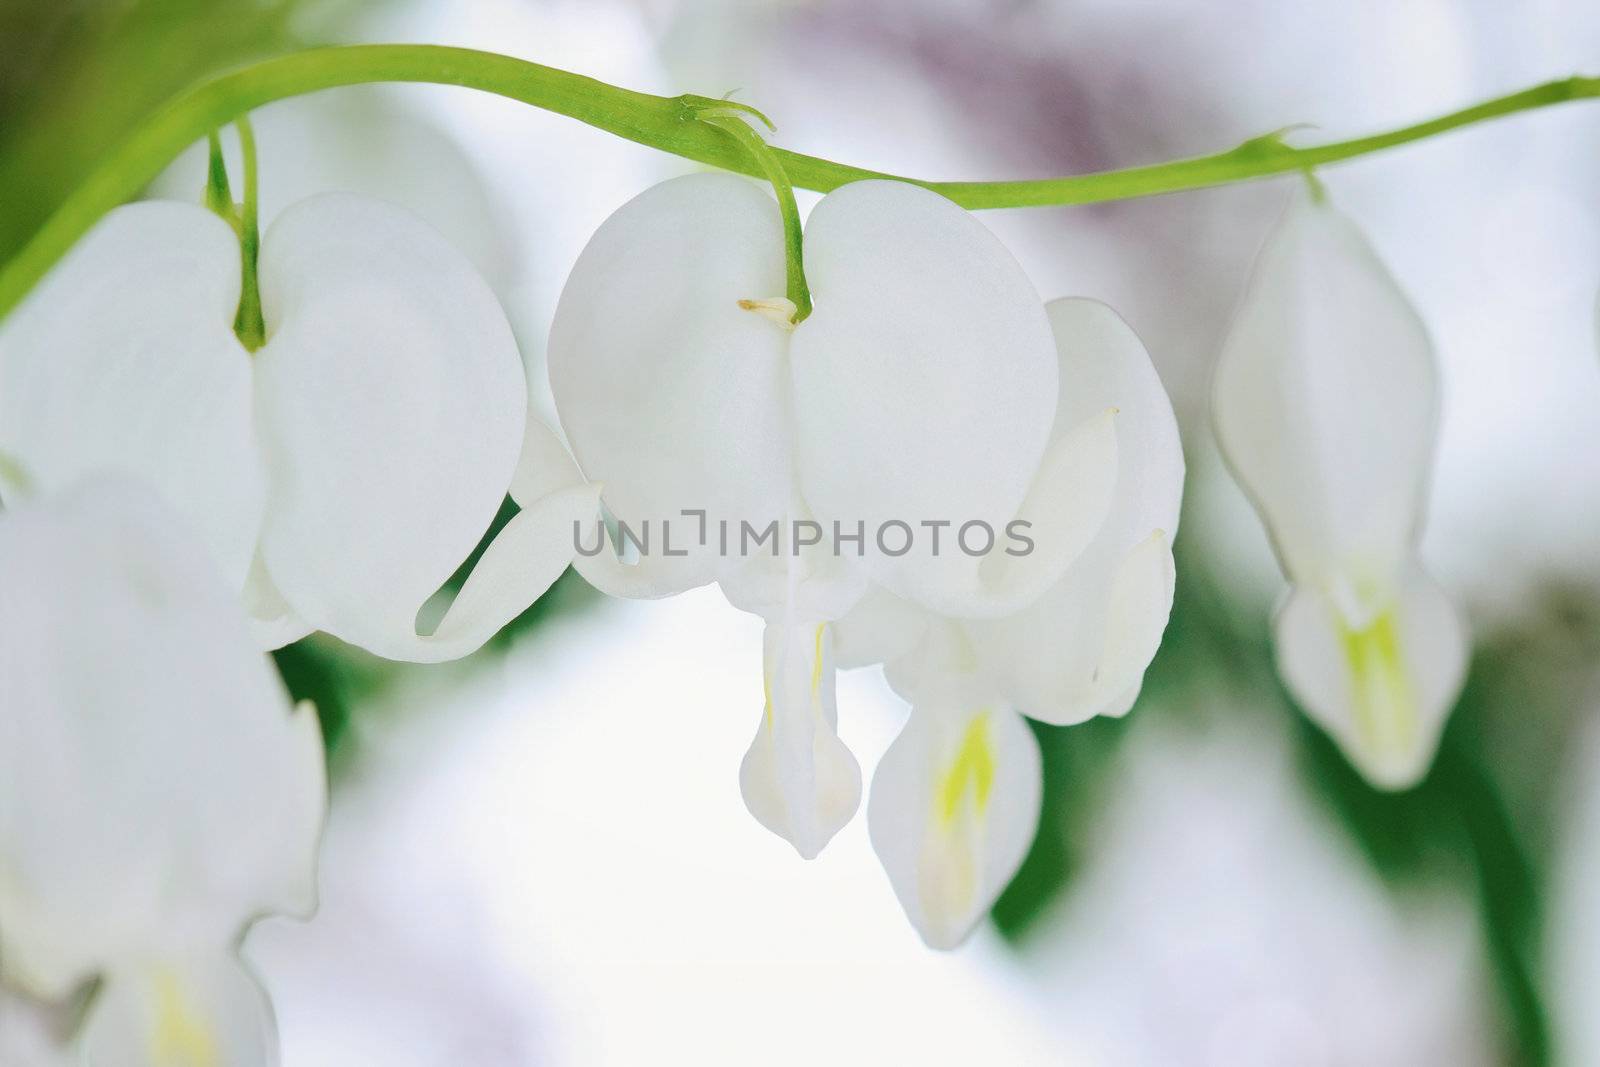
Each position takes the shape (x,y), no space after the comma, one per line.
(921,389)
(344,471)
(1325,404)
(955,802)
(157,792)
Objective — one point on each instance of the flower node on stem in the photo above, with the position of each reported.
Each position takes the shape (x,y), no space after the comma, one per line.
(734,120)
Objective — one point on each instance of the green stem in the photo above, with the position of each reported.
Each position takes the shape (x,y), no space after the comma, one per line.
(1509,895)
(219,197)
(248,324)
(798,292)
(666,123)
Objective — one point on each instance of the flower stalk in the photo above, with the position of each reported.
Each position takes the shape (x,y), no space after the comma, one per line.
(665,123)
(244,217)
(248,324)
(736,125)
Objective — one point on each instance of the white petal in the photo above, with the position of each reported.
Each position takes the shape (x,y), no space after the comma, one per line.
(272,620)
(798,778)
(1324,402)
(1382,689)
(392,409)
(204,1011)
(544,467)
(124,360)
(548,469)
(925,380)
(647,578)
(1104,366)
(941,669)
(522,562)
(1082,648)
(801,574)
(879,629)
(954,807)
(1065,510)
(34,1034)
(526,557)
(154,787)
(287,853)
(672,396)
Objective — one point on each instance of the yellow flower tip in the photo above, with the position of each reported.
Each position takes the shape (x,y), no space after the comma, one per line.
(180,1037)
(1385,704)
(970,774)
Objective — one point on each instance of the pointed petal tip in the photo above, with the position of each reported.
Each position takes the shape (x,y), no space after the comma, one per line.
(954,808)
(202,1012)
(808,815)
(946,939)
(1383,690)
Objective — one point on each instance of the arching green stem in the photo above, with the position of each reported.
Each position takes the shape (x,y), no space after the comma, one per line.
(735,124)
(666,123)
(248,323)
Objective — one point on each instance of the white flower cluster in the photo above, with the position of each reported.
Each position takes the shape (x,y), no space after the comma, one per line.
(177,504)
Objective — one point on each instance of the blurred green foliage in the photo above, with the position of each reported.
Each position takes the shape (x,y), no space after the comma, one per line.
(1482,822)
(77,74)
(1080,761)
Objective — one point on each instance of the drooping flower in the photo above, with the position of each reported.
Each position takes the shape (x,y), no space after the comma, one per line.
(954,803)
(340,474)
(157,792)
(922,389)
(1325,403)
(928,418)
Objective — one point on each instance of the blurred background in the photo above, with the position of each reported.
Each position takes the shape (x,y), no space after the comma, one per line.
(539,855)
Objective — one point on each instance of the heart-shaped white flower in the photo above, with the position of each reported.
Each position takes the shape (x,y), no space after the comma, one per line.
(343,472)
(913,407)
